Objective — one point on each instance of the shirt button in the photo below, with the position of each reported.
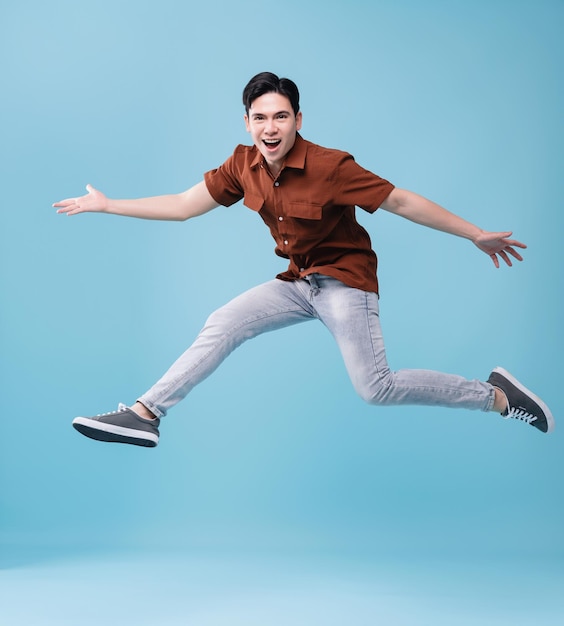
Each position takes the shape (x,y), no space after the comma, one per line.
(285,242)
(280,219)
(277,184)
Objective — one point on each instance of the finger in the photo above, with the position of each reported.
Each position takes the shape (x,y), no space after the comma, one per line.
(514,253)
(70,206)
(66,202)
(75,210)
(504,256)
(493,257)
(67,210)
(89,188)
(517,244)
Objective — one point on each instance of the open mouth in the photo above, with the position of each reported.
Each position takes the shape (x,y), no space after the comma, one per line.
(271,144)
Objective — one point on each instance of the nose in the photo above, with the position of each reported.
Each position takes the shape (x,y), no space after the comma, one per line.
(270,127)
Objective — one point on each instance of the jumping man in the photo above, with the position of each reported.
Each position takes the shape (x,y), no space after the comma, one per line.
(306,195)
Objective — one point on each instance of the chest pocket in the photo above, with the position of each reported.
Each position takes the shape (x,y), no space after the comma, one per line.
(304,210)
(253,202)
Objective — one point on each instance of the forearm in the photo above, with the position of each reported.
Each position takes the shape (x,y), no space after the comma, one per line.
(167,207)
(418,209)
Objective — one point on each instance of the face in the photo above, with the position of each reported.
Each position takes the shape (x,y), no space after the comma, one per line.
(273,126)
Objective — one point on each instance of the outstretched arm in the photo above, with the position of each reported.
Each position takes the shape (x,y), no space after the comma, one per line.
(422,211)
(177,207)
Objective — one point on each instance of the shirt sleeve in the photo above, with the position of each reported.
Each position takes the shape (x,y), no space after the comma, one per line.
(224,183)
(358,186)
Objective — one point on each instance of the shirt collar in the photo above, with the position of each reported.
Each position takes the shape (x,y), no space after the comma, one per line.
(295,159)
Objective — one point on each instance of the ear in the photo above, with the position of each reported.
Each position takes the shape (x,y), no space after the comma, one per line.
(299,121)
(247,123)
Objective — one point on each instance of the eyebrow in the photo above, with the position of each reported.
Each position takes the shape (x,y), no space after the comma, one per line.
(257,113)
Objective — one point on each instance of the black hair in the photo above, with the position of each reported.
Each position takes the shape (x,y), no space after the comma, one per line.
(267,82)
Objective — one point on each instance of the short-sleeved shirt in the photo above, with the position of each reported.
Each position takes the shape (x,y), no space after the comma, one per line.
(309,208)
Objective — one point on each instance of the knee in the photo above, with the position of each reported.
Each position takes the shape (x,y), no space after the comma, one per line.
(375,390)
(225,326)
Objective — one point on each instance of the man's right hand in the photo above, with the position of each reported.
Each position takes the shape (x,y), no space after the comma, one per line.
(93,201)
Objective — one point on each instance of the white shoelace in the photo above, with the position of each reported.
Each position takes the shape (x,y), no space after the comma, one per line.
(520,414)
(121,407)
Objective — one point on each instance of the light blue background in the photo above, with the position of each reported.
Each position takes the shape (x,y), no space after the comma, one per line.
(275,455)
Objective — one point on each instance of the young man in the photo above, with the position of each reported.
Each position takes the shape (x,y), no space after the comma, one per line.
(306,195)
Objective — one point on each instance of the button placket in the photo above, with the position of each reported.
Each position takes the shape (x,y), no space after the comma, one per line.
(281,217)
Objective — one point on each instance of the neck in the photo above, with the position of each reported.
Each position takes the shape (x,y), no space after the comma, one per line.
(274,168)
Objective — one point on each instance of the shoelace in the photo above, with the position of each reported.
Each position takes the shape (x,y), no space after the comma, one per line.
(121,407)
(520,414)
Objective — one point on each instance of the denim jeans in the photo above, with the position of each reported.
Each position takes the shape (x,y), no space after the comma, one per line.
(352,317)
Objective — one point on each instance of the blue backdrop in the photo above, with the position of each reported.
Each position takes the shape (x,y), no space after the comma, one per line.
(461,102)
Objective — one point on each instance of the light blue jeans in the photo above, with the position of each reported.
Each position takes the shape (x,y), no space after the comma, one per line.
(352,317)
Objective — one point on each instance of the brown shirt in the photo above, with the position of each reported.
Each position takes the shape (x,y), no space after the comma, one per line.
(309,208)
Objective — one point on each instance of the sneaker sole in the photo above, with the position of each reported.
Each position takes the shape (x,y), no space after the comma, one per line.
(549,417)
(114,434)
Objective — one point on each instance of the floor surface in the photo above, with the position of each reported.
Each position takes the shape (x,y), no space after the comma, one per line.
(165,589)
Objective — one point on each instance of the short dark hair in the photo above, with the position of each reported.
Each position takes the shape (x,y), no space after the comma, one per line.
(267,82)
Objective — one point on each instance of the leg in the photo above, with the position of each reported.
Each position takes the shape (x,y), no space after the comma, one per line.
(352,316)
(270,306)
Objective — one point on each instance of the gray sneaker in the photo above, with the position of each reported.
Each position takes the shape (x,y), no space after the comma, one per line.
(523,404)
(121,426)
